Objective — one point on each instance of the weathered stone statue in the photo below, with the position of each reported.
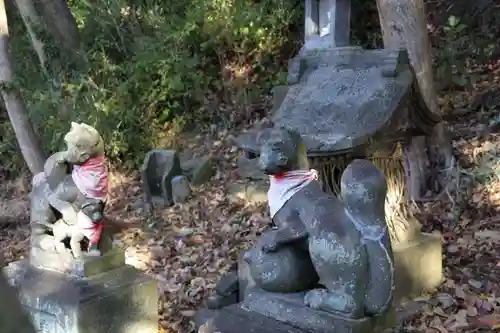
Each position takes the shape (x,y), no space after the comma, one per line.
(75,280)
(68,198)
(89,224)
(328,266)
(347,240)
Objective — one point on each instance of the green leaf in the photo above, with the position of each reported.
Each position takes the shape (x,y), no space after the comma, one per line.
(461,27)
(459,80)
(453,21)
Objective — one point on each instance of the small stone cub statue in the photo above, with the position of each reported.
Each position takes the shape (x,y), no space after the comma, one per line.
(89,224)
(74,186)
(347,240)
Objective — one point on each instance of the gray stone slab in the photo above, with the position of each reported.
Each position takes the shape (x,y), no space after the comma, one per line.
(203,171)
(355,102)
(13,317)
(180,189)
(290,308)
(157,171)
(234,319)
(123,300)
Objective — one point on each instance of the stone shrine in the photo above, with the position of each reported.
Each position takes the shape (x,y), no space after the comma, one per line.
(159,169)
(75,280)
(167,179)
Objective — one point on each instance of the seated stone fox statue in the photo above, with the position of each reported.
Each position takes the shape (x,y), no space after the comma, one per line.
(71,179)
(347,238)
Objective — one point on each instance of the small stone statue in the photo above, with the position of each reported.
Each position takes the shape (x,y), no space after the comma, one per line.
(346,240)
(89,224)
(68,198)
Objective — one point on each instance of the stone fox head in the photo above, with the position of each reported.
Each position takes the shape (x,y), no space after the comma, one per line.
(83,142)
(363,185)
(283,151)
(94,209)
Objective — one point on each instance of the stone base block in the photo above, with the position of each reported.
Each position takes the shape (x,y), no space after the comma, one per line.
(89,266)
(290,308)
(122,300)
(419,266)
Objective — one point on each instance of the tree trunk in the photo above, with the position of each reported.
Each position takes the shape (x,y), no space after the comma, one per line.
(60,23)
(32,22)
(404,25)
(23,128)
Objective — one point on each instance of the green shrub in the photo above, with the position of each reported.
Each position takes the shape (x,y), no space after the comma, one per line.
(152,66)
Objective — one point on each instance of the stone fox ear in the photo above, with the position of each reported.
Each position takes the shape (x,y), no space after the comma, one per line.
(89,129)
(294,135)
(262,136)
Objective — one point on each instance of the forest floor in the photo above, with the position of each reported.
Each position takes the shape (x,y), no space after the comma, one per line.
(195,243)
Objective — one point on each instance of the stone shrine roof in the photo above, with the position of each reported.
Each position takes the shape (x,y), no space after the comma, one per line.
(347,97)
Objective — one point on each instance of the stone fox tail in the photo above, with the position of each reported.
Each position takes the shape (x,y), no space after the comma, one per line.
(379,293)
(364,189)
(380,288)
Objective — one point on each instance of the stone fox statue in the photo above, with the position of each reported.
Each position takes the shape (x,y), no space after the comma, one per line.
(347,238)
(88,177)
(71,179)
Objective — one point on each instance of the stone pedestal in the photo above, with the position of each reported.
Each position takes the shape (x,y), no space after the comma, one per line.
(419,266)
(99,295)
(91,266)
(290,308)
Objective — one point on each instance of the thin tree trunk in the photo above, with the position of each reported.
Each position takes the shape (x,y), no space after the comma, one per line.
(32,22)
(23,128)
(404,25)
(60,23)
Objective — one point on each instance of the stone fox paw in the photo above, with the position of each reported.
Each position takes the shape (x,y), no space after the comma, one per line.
(314,298)
(270,247)
(332,302)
